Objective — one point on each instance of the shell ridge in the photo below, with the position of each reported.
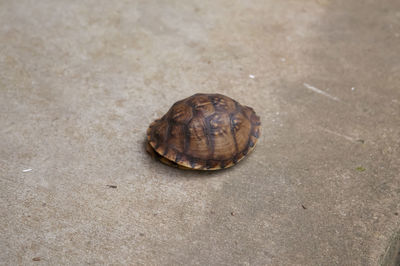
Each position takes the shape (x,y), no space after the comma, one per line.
(186,142)
(233,133)
(167,136)
(250,143)
(210,139)
(251,132)
(152,137)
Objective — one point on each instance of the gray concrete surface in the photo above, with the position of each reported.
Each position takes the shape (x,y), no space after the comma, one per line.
(80,81)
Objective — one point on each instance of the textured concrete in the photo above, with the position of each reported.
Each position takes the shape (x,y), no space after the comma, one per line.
(80,81)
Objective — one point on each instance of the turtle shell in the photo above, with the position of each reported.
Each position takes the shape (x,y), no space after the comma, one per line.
(204,132)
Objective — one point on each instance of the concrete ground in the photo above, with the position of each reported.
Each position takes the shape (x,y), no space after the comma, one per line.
(80,81)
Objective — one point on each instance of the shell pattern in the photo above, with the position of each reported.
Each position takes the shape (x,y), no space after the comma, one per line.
(204,132)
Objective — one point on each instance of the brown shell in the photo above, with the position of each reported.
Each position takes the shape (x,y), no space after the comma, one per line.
(204,132)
